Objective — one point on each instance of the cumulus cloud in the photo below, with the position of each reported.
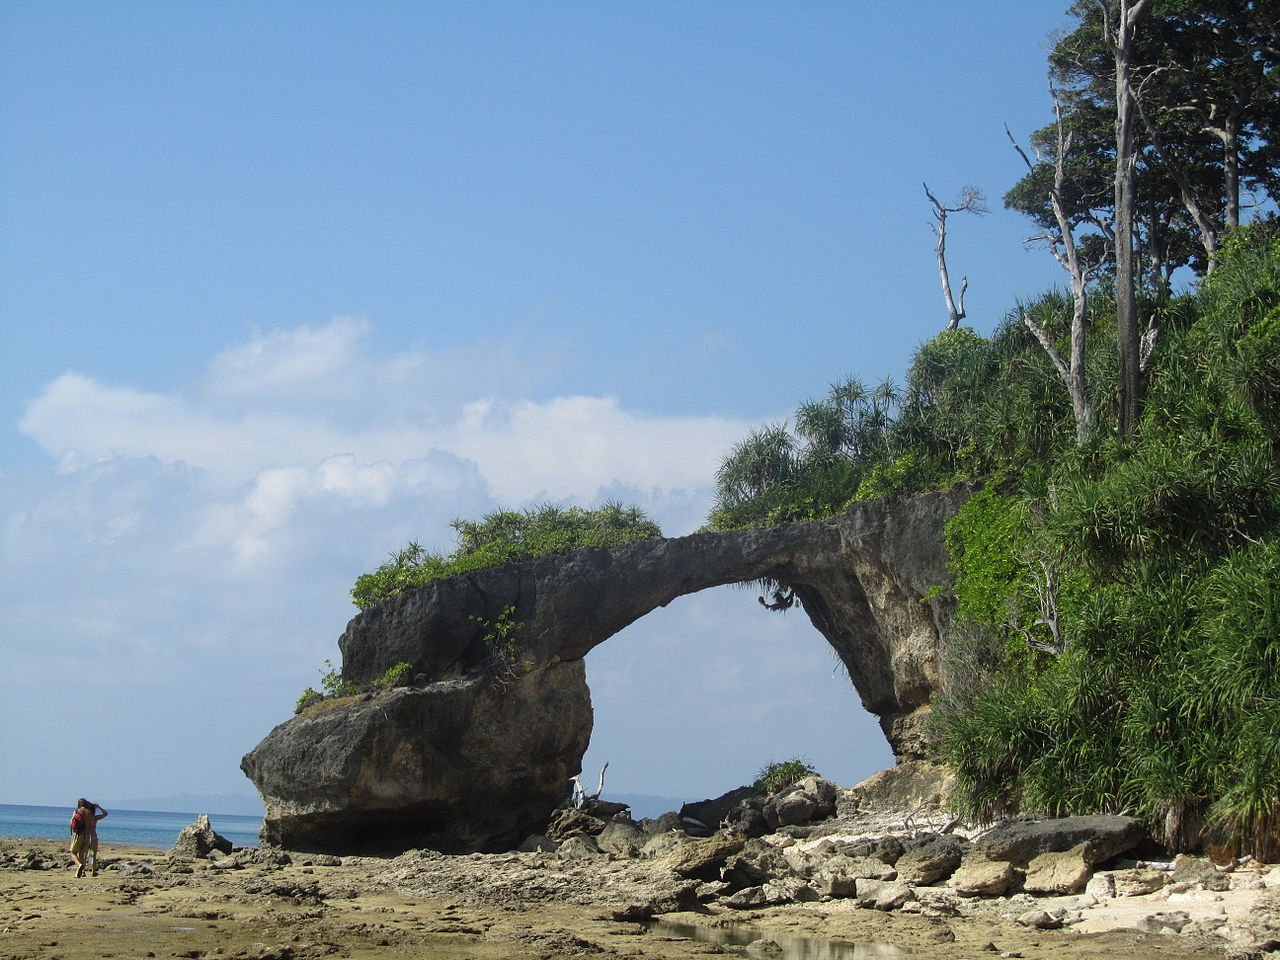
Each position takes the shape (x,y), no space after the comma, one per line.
(195,546)
(560,448)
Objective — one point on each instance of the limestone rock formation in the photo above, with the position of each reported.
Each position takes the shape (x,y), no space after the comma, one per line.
(200,840)
(459,762)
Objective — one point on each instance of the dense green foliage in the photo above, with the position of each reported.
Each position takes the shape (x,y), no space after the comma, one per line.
(502,536)
(1130,607)
(1118,601)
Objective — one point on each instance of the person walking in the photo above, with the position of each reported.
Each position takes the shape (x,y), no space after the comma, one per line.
(80,835)
(95,813)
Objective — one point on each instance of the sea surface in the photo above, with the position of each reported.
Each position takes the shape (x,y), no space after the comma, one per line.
(142,828)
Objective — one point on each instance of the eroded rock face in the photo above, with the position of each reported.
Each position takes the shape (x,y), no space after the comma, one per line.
(457,763)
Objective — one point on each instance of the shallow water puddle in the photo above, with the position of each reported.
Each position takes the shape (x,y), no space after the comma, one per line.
(792,948)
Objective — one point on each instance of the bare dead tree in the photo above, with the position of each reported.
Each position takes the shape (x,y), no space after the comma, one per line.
(971,201)
(1065,250)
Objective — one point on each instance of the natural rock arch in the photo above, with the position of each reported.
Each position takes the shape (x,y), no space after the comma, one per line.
(457,762)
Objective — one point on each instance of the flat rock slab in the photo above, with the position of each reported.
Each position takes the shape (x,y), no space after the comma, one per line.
(1020,841)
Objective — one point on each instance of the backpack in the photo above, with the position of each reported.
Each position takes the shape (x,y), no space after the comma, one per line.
(77,822)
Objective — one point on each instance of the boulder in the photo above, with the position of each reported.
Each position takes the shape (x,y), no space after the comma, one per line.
(200,840)
(883,895)
(1106,837)
(1059,873)
(935,859)
(703,859)
(792,808)
(622,839)
(839,875)
(1138,881)
(979,876)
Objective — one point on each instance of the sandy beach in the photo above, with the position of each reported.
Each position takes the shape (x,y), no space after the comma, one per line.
(265,904)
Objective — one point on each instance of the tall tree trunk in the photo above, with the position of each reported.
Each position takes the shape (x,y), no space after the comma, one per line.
(1121,42)
(1230,134)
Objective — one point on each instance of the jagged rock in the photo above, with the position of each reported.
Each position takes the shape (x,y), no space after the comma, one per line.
(839,875)
(1059,873)
(664,824)
(200,840)
(883,895)
(746,899)
(1018,841)
(578,847)
(568,821)
(1198,871)
(979,876)
(934,860)
(621,839)
(716,810)
(661,844)
(703,858)
(747,819)
(460,762)
(888,849)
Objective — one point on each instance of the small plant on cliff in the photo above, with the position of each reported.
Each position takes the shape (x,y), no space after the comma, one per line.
(393,676)
(502,641)
(308,697)
(781,774)
(333,685)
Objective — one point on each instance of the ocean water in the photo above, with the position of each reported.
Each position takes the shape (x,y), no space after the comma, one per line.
(142,828)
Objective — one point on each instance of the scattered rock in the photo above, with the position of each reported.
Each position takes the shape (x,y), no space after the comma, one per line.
(200,840)
(934,860)
(1040,920)
(979,876)
(1059,873)
(702,859)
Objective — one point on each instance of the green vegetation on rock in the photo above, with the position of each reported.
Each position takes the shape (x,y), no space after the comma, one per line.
(503,536)
(780,774)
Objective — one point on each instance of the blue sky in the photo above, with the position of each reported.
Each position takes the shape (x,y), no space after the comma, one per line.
(283,286)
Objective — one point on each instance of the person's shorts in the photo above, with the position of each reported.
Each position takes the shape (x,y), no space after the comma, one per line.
(79,843)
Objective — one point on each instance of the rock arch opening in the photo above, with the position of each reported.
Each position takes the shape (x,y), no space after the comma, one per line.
(694,698)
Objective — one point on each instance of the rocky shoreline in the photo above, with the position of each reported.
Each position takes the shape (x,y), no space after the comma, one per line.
(894,885)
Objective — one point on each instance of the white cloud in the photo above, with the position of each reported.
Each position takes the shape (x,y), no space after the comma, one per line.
(563,448)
